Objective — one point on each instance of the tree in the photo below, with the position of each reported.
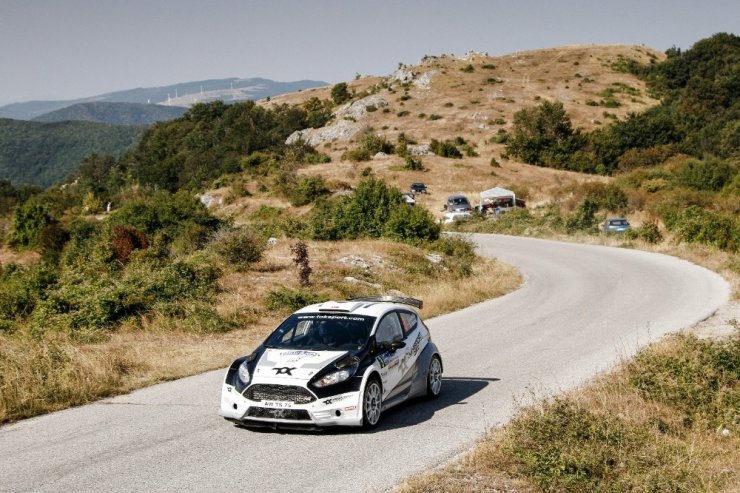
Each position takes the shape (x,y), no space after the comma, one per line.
(543,135)
(340,93)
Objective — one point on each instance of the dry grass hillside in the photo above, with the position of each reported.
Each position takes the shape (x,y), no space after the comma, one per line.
(474,97)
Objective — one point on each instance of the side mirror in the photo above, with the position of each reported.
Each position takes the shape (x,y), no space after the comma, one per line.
(397,345)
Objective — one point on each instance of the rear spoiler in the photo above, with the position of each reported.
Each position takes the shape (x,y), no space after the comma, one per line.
(391,299)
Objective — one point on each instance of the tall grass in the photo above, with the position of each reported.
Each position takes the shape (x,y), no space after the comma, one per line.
(667,421)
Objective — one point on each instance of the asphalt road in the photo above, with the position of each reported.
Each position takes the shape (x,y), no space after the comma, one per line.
(581,309)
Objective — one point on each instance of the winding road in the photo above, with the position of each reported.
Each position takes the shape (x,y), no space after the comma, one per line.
(580,310)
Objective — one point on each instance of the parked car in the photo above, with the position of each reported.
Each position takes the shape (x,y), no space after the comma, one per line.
(615,225)
(335,363)
(418,187)
(458,203)
(409,198)
(451,217)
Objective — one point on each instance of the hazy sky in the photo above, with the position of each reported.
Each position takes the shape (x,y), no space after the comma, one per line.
(62,49)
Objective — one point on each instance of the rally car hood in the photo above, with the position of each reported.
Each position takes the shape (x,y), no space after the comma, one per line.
(289,364)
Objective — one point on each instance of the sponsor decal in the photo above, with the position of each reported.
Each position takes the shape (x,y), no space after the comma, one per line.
(350,408)
(332,317)
(387,359)
(300,354)
(332,400)
(285,370)
(417,343)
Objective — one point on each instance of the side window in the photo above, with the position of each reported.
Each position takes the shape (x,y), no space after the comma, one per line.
(408,322)
(389,329)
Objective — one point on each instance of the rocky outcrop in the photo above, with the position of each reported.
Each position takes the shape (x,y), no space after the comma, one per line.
(342,130)
(425,79)
(345,127)
(419,150)
(358,109)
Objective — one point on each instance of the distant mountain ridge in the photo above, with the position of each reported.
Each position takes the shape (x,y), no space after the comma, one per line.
(114,113)
(183,94)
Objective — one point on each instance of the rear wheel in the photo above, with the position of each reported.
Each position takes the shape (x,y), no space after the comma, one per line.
(372,401)
(434,377)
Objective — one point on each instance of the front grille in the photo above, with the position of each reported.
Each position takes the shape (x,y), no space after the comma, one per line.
(292,393)
(266,412)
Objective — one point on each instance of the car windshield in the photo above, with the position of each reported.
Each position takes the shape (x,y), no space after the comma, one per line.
(618,222)
(322,332)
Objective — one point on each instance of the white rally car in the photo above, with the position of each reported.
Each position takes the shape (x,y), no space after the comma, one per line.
(335,363)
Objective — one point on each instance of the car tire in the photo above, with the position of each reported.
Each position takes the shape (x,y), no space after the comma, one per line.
(434,377)
(372,404)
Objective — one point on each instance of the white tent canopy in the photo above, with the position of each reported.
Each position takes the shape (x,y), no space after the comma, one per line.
(496,193)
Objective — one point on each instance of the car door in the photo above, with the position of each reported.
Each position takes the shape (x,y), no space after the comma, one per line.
(416,337)
(389,330)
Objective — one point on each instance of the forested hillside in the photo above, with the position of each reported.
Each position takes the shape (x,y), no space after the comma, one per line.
(44,153)
(114,113)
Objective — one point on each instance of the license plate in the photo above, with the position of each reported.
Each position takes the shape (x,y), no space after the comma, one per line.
(278,404)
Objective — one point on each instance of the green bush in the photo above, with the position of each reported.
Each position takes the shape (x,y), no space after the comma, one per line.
(366,212)
(709,174)
(308,189)
(286,300)
(650,233)
(694,224)
(164,212)
(340,93)
(414,164)
(240,247)
(29,220)
(563,447)
(445,148)
(584,218)
(412,225)
(699,379)
(367,147)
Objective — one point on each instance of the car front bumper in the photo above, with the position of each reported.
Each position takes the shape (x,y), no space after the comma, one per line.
(338,410)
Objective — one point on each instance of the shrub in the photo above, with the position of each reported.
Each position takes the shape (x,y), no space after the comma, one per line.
(468,69)
(614,198)
(367,147)
(650,233)
(125,240)
(372,210)
(29,220)
(445,149)
(240,247)
(308,189)
(584,218)
(699,378)
(288,300)
(340,93)
(412,225)
(694,224)
(709,174)
(300,259)
(414,164)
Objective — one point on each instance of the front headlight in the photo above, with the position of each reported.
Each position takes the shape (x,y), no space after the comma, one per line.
(243,373)
(334,378)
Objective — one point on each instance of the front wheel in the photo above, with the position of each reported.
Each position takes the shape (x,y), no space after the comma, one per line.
(434,377)
(372,401)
